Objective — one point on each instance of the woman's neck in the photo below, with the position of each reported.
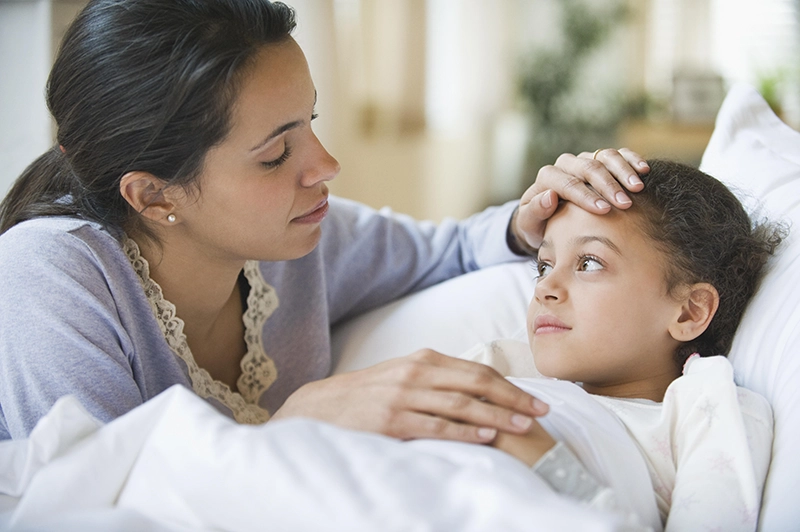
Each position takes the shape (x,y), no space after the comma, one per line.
(201,288)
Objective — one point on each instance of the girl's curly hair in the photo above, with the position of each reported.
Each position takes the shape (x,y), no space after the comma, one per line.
(707,236)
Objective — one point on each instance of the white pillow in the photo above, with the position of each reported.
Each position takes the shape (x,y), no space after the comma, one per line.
(450,317)
(755,153)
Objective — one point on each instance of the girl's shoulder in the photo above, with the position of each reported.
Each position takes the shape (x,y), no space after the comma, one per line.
(714,377)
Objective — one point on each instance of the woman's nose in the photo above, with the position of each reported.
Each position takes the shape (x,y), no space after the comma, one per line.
(322,166)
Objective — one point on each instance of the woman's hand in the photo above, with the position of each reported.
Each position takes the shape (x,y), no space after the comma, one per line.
(528,447)
(424,395)
(607,171)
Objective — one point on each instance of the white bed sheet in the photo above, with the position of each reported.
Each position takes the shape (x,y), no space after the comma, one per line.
(175,463)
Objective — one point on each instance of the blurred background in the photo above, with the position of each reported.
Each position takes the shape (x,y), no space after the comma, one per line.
(442,107)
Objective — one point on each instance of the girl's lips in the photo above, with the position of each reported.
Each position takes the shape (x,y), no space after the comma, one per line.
(549,324)
(315,215)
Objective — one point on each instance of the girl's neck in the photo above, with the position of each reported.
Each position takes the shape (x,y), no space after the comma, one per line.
(652,388)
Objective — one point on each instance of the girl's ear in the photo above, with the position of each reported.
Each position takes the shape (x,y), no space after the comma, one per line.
(696,311)
(145,193)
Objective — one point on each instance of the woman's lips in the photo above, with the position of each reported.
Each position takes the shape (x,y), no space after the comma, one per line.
(549,324)
(315,215)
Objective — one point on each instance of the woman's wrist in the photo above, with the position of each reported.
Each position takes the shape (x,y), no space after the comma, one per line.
(515,243)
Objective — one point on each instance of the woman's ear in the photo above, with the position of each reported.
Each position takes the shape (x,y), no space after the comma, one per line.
(697,309)
(145,193)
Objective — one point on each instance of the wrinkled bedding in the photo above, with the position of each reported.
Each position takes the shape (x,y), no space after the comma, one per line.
(175,463)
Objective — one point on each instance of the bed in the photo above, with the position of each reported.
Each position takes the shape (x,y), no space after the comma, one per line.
(139,473)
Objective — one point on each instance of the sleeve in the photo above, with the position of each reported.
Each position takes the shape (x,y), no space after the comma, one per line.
(373,257)
(720,458)
(567,475)
(59,332)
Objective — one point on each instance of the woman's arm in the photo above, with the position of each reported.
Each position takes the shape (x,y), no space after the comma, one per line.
(60,330)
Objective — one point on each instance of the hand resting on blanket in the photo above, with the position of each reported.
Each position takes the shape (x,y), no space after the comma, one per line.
(424,395)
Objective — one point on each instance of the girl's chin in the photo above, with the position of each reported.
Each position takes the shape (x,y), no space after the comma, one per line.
(547,363)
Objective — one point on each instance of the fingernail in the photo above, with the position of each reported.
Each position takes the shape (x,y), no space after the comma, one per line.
(487,434)
(547,200)
(643,164)
(523,422)
(621,197)
(540,406)
(602,204)
(634,180)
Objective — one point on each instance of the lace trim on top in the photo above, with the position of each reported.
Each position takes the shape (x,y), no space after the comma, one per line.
(258,370)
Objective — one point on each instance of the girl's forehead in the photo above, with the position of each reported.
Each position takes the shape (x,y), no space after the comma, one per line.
(570,221)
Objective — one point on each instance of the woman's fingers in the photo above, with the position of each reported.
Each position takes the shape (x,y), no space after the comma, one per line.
(424,395)
(636,161)
(466,409)
(476,380)
(594,181)
(610,173)
(408,425)
(569,177)
(623,164)
(573,174)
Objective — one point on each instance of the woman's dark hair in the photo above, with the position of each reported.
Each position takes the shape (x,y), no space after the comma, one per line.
(140,85)
(707,236)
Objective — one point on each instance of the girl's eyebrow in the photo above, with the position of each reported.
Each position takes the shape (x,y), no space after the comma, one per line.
(583,240)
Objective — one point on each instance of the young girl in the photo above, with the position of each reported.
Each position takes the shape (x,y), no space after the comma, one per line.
(640,308)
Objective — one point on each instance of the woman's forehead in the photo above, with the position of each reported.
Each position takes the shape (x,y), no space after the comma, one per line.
(276,90)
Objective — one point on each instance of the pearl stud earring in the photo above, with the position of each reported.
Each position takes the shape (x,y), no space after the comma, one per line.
(171,218)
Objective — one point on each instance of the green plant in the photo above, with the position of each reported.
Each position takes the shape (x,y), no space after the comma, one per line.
(550,77)
(769,86)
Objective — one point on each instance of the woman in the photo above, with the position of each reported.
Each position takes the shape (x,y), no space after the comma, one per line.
(175,235)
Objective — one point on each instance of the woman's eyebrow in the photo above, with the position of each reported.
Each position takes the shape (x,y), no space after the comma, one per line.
(282,129)
(278,131)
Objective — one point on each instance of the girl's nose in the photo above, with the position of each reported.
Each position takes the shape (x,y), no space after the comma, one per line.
(549,288)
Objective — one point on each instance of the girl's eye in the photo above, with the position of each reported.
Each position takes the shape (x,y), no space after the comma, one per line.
(542,269)
(589,264)
(280,160)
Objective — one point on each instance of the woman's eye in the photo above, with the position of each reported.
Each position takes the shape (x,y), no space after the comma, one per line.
(287,151)
(589,264)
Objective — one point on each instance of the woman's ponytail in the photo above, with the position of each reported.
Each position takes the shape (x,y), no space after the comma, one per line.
(43,189)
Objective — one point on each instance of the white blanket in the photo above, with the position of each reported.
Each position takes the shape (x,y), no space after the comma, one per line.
(175,463)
